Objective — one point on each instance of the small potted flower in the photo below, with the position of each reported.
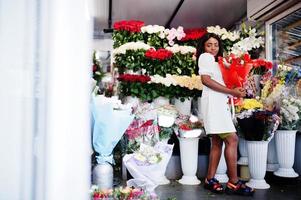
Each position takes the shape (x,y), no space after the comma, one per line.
(189,131)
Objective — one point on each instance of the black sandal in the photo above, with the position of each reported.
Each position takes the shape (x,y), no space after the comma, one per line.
(239,188)
(214,186)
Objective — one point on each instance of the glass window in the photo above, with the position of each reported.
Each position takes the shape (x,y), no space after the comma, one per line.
(286,39)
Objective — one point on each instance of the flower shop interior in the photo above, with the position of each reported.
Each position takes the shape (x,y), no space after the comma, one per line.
(102,98)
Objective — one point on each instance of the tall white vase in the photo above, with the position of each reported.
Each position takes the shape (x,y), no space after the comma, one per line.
(102,176)
(160,101)
(189,160)
(272,164)
(243,151)
(221,172)
(257,158)
(285,147)
(183,107)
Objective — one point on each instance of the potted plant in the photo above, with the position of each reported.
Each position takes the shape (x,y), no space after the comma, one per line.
(256,125)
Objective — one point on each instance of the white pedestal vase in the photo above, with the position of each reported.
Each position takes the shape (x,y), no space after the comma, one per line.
(103,176)
(134,101)
(285,147)
(221,171)
(183,107)
(162,180)
(257,158)
(189,160)
(272,162)
(243,151)
(160,101)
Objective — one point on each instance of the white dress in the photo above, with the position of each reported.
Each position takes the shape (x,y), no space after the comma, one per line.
(215,110)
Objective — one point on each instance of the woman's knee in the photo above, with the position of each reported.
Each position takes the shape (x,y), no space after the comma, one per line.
(216,142)
(232,139)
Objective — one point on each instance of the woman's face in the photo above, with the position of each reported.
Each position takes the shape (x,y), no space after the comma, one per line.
(211,46)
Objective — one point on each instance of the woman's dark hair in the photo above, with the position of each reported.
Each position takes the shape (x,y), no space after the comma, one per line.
(201,47)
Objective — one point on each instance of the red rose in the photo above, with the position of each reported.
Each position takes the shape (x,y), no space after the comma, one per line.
(247,57)
(256,64)
(94,68)
(269,65)
(193,34)
(160,54)
(261,62)
(185,127)
(148,123)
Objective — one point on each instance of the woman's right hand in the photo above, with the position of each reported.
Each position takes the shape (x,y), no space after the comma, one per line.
(239,92)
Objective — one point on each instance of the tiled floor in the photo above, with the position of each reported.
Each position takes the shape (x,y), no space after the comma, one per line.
(281,188)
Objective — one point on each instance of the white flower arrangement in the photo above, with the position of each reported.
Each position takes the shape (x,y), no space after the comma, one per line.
(247,44)
(131,46)
(181,49)
(150,29)
(223,33)
(290,111)
(147,155)
(190,82)
(167,81)
(246,113)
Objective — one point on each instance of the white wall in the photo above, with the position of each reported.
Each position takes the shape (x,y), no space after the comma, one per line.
(45,67)
(103,44)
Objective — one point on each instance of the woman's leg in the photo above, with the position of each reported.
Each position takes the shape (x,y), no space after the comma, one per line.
(231,142)
(215,155)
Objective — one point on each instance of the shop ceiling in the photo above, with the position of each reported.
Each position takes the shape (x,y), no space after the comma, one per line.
(169,13)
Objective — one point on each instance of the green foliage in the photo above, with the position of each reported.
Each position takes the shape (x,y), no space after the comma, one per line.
(155,41)
(122,37)
(131,60)
(178,64)
(98,74)
(147,92)
(165,132)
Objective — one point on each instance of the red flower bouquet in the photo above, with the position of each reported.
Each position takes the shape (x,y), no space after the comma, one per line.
(235,70)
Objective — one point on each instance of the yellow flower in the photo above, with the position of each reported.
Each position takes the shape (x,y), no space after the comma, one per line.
(251,104)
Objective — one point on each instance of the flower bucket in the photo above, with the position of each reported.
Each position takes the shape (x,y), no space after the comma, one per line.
(183,107)
(257,158)
(272,164)
(160,101)
(189,160)
(221,172)
(103,175)
(243,151)
(285,147)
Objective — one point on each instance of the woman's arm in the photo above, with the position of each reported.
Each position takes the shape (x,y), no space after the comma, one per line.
(207,81)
